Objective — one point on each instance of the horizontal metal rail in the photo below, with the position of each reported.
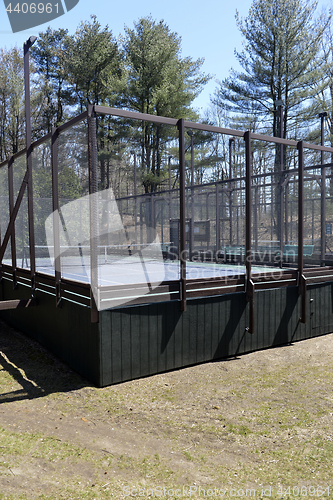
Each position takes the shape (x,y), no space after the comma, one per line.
(122,113)
(76,291)
(47,137)
(169,290)
(14,157)
(204,127)
(72,122)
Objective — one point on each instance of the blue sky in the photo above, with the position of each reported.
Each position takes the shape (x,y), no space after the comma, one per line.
(207,28)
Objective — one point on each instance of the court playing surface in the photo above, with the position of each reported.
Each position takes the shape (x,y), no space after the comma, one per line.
(125,270)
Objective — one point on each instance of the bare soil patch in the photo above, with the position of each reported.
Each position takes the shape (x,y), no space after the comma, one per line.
(253,425)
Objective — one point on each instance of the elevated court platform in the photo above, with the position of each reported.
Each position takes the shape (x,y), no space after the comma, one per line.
(214,285)
(140,340)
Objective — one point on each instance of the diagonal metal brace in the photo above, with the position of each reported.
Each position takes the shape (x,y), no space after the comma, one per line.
(14,215)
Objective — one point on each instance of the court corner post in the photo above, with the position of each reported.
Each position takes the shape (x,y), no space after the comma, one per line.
(55,208)
(27,106)
(249,285)
(301,278)
(182,225)
(93,188)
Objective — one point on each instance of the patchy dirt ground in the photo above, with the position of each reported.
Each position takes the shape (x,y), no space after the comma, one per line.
(259,425)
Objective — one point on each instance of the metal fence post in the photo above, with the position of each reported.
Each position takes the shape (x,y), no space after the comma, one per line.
(93,189)
(182,225)
(248,243)
(231,141)
(217,210)
(27,45)
(301,278)
(11,209)
(322,194)
(55,208)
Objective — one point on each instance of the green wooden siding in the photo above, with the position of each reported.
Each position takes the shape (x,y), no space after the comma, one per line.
(138,341)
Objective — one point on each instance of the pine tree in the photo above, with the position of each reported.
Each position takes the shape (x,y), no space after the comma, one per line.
(12,129)
(93,64)
(159,82)
(281,39)
(48,56)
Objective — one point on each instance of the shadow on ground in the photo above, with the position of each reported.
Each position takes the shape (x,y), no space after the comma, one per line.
(35,369)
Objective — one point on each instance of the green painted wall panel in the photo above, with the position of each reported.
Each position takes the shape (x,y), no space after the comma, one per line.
(144,339)
(106,351)
(161,347)
(115,346)
(215,325)
(135,345)
(201,332)
(126,346)
(67,331)
(154,348)
(193,333)
(136,341)
(168,336)
(186,334)
(207,340)
(178,332)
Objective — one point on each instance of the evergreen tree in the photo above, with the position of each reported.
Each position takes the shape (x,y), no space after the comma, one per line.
(48,56)
(93,64)
(159,82)
(281,39)
(12,130)
(323,98)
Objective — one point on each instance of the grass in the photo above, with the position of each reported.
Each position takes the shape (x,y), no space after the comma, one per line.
(241,430)
(39,445)
(240,425)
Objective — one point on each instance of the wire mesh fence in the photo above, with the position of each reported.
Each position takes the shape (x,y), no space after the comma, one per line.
(136,200)
(4,211)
